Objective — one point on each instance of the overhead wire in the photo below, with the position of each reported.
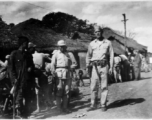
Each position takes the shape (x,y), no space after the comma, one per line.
(36,5)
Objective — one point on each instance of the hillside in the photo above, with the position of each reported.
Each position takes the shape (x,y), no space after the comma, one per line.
(8,40)
(44,37)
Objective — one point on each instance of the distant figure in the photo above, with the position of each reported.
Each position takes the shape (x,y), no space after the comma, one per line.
(131,67)
(80,74)
(137,65)
(145,66)
(117,69)
(125,68)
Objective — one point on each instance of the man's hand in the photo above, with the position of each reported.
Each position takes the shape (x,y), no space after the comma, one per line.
(110,71)
(53,73)
(87,69)
(37,83)
(29,69)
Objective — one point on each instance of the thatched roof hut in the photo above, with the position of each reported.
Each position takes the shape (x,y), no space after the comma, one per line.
(130,43)
(46,39)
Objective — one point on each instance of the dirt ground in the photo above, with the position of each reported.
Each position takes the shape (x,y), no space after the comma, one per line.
(125,100)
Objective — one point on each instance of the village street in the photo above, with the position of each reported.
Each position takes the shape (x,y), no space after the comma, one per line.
(125,100)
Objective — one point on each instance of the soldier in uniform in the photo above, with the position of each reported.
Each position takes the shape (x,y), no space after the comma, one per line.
(62,63)
(19,74)
(97,55)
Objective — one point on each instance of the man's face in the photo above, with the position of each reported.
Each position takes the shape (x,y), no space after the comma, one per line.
(97,34)
(62,48)
(135,52)
(25,45)
(32,50)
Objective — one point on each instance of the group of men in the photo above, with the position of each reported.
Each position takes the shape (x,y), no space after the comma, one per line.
(35,74)
(127,67)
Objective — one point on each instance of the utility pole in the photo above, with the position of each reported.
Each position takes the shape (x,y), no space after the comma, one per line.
(124,15)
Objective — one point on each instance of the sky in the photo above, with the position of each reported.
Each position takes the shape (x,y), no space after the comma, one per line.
(104,13)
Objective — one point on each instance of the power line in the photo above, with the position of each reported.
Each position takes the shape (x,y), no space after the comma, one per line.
(36,5)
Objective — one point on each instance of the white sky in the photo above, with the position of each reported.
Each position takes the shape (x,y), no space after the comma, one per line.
(108,13)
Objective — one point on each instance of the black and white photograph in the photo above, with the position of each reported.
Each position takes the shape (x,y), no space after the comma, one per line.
(75,59)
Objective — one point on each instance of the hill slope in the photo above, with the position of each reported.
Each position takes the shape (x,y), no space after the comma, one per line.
(44,37)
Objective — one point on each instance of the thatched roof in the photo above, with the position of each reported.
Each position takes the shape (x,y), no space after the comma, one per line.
(46,39)
(130,43)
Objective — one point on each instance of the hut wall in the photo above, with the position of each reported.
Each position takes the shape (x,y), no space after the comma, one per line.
(82,60)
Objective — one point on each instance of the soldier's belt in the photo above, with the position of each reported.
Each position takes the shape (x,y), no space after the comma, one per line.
(62,67)
(101,63)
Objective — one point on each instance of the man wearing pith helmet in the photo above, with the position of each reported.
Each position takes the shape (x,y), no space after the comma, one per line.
(62,63)
(99,51)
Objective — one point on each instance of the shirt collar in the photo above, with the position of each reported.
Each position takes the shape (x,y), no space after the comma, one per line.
(104,40)
(61,52)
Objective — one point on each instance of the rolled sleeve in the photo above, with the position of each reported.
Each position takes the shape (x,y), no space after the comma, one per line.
(73,60)
(89,55)
(111,53)
(53,63)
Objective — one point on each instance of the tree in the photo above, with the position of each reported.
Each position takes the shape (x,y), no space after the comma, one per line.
(130,34)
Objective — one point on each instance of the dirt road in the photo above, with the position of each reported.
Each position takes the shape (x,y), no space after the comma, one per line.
(125,100)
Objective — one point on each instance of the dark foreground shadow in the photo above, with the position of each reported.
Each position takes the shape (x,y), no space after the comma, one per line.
(129,101)
(75,104)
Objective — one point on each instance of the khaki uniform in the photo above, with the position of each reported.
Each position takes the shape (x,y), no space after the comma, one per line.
(99,51)
(61,64)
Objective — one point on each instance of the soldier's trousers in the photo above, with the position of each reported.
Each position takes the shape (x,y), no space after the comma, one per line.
(103,85)
(62,94)
(137,73)
(23,93)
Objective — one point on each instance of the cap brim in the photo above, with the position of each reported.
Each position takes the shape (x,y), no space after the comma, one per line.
(62,45)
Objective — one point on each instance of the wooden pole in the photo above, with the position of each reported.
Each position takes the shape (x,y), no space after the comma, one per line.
(124,15)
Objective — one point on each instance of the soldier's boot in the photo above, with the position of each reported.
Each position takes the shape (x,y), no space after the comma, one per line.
(18,113)
(58,103)
(93,102)
(65,104)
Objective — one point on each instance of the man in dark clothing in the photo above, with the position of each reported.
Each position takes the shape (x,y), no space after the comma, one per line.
(31,80)
(19,73)
(80,74)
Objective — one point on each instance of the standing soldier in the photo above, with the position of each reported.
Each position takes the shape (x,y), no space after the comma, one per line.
(19,74)
(97,55)
(62,63)
(80,74)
